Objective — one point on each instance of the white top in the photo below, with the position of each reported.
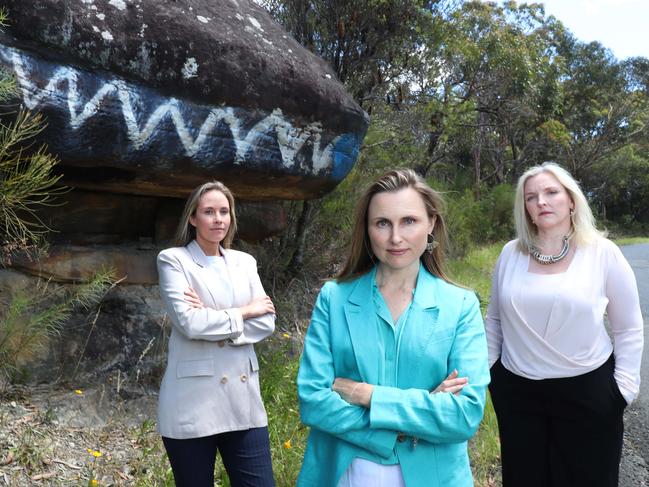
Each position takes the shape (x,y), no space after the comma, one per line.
(365,473)
(546,327)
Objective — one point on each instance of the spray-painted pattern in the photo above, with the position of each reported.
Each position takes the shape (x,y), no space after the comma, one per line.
(234,135)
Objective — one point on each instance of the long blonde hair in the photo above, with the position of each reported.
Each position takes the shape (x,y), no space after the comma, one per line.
(584,230)
(186,232)
(360,258)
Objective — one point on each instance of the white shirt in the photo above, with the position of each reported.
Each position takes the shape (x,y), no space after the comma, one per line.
(550,327)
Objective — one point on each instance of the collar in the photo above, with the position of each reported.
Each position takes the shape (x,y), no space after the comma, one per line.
(426,289)
(199,256)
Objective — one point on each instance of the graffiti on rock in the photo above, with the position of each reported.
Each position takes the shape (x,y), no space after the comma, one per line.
(90,107)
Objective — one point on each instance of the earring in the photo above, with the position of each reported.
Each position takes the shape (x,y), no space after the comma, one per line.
(431,243)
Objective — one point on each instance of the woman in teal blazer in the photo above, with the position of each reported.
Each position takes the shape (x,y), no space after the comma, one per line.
(378,381)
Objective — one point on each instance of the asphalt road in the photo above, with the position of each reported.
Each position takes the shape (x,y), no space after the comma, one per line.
(634,470)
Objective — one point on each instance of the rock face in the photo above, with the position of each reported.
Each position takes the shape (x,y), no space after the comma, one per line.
(146,99)
(154,97)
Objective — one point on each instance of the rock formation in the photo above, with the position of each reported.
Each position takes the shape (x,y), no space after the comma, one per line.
(146,99)
(153,97)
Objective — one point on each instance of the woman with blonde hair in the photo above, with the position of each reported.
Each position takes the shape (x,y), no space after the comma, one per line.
(393,376)
(209,398)
(559,384)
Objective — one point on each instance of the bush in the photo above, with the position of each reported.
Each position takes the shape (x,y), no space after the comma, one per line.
(474,222)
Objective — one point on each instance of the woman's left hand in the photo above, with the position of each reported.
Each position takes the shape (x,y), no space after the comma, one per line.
(359,393)
(192,298)
(452,384)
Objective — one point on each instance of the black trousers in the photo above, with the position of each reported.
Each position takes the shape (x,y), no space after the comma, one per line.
(559,432)
(245,455)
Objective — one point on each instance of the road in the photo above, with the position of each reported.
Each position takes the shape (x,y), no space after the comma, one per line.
(634,470)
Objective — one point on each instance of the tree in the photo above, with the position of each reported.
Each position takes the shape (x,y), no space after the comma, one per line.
(27,182)
(369,43)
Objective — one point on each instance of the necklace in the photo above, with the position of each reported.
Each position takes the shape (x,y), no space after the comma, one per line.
(550,259)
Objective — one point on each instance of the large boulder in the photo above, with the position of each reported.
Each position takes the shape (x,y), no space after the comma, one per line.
(153,97)
(146,99)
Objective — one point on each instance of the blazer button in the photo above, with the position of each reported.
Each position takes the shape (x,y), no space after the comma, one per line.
(224,379)
(221,344)
(244,377)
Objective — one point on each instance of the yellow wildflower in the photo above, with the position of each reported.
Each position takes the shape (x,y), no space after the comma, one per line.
(78,392)
(286,335)
(287,444)
(94,453)
(94,482)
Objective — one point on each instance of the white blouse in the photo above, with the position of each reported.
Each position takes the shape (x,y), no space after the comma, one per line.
(552,326)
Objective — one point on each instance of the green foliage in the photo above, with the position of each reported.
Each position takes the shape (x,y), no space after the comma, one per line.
(475,269)
(151,467)
(26,182)
(26,179)
(620,190)
(288,435)
(35,315)
(367,42)
(474,222)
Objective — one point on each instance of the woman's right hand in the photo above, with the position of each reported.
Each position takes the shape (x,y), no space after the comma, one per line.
(452,384)
(258,307)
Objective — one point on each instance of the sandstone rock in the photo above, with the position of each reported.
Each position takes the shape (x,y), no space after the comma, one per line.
(98,218)
(75,263)
(153,97)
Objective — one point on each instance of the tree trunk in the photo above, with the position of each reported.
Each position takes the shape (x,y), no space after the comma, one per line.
(297,260)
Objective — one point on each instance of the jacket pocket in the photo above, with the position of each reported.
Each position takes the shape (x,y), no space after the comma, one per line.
(195,368)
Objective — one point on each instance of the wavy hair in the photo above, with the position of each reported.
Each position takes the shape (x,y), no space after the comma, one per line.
(360,258)
(584,230)
(186,232)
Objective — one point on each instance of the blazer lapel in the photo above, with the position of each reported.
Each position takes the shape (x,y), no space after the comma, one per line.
(424,312)
(201,260)
(361,321)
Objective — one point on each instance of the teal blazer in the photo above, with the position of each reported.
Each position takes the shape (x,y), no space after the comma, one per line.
(444,332)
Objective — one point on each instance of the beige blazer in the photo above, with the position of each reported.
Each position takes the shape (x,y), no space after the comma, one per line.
(211,383)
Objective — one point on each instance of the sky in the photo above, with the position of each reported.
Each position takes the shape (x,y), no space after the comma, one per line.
(620,25)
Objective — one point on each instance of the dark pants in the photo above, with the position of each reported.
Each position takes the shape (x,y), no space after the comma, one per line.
(559,432)
(245,454)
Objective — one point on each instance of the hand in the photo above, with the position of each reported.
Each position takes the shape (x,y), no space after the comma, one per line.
(359,393)
(258,307)
(452,384)
(192,298)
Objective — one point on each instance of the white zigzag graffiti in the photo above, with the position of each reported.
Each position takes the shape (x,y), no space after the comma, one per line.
(290,139)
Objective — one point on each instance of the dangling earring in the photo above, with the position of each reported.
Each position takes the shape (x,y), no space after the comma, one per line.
(431,243)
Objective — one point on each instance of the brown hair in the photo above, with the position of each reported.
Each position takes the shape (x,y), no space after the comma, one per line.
(360,259)
(187,232)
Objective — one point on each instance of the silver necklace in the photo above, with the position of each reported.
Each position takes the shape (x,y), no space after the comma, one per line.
(550,259)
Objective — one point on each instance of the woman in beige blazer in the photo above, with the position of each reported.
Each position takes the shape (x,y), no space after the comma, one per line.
(209,398)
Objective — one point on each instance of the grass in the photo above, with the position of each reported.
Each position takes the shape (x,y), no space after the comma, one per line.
(631,240)
(474,271)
